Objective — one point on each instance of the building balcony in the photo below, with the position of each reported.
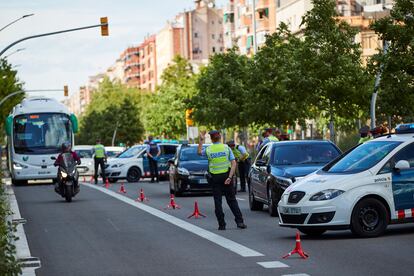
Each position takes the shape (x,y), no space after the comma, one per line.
(262,4)
(357,21)
(262,24)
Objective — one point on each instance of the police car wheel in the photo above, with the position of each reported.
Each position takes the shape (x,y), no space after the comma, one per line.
(133,175)
(273,200)
(369,218)
(253,203)
(311,232)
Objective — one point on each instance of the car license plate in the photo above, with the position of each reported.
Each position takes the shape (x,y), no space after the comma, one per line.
(291,210)
(81,169)
(43,172)
(203,181)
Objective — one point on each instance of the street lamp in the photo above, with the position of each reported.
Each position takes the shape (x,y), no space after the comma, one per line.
(12,53)
(18,19)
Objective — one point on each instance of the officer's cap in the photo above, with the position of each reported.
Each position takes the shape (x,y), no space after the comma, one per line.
(364,130)
(231,143)
(269,129)
(214,133)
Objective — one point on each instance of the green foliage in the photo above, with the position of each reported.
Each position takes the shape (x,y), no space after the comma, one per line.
(165,115)
(113,107)
(9,83)
(331,64)
(8,263)
(396,93)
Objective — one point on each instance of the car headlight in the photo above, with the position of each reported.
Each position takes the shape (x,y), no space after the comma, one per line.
(326,195)
(90,164)
(18,166)
(183,171)
(63,174)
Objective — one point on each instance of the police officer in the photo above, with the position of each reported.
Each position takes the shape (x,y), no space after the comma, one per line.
(221,168)
(243,163)
(364,133)
(153,151)
(99,160)
(269,137)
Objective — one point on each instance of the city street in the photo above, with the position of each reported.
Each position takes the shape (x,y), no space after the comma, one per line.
(103,232)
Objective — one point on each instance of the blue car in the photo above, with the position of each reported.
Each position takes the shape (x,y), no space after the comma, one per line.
(279,164)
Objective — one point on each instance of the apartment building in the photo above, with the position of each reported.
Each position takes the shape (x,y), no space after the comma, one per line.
(130,62)
(148,64)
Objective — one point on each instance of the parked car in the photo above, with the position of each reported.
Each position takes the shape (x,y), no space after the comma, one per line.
(365,190)
(113,152)
(133,163)
(86,155)
(188,171)
(279,164)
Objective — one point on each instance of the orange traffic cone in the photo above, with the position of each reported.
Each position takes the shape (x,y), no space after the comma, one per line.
(196,212)
(172,204)
(122,189)
(298,249)
(141,197)
(107,183)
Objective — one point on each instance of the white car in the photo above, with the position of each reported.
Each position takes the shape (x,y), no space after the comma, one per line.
(86,155)
(364,189)
(113,152)
(129,165)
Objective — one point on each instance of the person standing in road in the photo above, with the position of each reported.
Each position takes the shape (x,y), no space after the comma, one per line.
(153,152)
(99,160)
(243,163)
(221,170)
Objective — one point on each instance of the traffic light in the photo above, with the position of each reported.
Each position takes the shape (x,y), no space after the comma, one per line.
(104,26)
(188,120)
(65,91)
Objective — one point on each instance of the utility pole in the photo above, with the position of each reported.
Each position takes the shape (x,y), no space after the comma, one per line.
(254,28)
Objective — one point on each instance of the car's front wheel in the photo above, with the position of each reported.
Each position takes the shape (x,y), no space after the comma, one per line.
(369,218)
(133,175)
(253,203)
(273,199)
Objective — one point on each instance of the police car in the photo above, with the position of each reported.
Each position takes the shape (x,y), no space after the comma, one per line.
(365,189)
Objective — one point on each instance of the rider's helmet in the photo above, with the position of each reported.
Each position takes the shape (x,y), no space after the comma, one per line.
(66,147)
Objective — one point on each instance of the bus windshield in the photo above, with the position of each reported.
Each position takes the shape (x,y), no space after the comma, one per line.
(41,133)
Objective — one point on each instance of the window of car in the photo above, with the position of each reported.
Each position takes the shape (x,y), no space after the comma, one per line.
(362,157)
(266,154)
(190,154)
(407,153)
(261,152)
(131,152)
(168,149)
(84,153)
(301,153)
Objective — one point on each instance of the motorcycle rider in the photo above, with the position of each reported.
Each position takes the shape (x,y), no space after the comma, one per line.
(66,148)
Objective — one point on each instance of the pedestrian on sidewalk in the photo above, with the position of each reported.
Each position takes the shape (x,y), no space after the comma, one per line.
(221,170)
(99,158)
(243,162)
(153,152)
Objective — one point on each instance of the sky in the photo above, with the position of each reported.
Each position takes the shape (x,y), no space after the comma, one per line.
(69,59)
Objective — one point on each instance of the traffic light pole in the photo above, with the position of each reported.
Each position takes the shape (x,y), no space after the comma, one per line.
(52,33)
(28,91)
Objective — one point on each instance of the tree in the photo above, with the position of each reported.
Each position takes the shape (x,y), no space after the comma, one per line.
(166,114)
(9,83)
(222,90)
(113,109)
(331,64)
(278,91)
(396,92)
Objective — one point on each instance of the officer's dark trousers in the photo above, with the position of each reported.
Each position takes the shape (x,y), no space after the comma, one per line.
(220,189)
(153,164)
(100,162)
(243,167)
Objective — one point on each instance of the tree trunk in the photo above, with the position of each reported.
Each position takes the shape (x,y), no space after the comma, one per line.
(331,123)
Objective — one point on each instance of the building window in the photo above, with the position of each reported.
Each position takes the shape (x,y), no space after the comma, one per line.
(195,34)
(149,87)
(214,49)
(150,75)
(212,22)
(149,63)
(213,36)
(220,21)
(221,35)
(221,49)
(143,67)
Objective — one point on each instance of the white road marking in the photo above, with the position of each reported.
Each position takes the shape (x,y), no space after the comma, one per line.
(274,264)
(238,198)
(299,274)
(219,240)
(113,225)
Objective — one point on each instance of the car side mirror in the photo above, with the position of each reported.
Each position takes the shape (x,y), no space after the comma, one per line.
(402,165)
(53,158)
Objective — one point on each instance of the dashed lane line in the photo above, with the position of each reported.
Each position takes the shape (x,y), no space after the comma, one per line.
(299,274)
(274,264)
(219,240)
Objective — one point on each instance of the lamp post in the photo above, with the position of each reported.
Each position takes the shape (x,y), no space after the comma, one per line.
(18,19)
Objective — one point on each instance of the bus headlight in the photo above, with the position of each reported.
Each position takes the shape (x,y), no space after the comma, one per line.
(18,166)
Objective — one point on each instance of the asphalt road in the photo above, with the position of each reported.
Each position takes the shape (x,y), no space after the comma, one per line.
(102,232)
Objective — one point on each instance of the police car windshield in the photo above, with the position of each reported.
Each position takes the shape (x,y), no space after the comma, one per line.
(131,152)
(190,154)
(362,157)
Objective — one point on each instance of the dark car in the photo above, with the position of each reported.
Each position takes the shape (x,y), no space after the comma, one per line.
(188,171)
(280,164)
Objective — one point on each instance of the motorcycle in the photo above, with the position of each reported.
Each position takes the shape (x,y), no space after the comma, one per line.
(67,177)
